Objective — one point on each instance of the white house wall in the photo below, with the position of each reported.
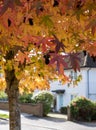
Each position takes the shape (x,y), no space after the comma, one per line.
(86,87)
(80,90)
(92,84)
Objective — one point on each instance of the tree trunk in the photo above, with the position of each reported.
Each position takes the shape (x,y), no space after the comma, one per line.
(13,93)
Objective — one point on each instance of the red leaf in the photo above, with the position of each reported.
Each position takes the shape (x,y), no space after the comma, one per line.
(58,43)
(38,6)
(59,60)
(44,42)
(4,6)
(92,25)
(8,4)
(91,48)
(75,61)
(30,39)
(21,57)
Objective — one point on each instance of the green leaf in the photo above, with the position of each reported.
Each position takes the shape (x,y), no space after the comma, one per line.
(47,21)
(78,13)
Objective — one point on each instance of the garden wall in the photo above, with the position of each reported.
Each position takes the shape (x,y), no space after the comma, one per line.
(36,109)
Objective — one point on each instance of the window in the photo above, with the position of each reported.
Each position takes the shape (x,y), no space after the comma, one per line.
(73,75)
(73,96)
(74,78)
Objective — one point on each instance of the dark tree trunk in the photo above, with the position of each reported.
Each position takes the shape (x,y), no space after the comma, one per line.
(13,92)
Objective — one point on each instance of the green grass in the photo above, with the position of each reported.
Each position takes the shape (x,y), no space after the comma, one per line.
(5,116)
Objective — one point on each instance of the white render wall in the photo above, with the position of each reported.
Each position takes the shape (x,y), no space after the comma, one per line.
(92,84)
(80,90)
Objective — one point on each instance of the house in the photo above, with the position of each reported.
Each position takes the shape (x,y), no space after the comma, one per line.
(86,87)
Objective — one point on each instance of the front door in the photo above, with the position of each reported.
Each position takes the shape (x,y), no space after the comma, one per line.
(60,101)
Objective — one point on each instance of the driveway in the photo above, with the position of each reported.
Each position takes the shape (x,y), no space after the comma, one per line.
(52,122)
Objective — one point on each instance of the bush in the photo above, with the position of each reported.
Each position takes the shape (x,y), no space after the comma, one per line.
(46,98)
(25,98)
(83,109)
(94,112)
(63,110)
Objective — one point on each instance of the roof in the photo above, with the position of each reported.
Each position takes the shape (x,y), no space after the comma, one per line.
(86,60)
(90,61)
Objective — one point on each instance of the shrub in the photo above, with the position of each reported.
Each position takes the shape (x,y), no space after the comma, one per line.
(63,110)
(25,98)
(82,109)
(94,112)
(46,98)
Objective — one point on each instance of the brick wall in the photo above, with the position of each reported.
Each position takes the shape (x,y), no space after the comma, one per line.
(29,108)
(36,109)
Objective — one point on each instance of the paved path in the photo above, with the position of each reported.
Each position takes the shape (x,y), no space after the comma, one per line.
(52,122)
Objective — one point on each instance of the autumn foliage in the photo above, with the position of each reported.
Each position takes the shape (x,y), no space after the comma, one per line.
(38,40)
(50,32)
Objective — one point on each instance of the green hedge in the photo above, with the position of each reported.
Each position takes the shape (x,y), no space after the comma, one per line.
(25,98)
(46,98)
(63,110)
(83,109)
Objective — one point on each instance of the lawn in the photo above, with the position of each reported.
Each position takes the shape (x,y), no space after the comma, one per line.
(5,116)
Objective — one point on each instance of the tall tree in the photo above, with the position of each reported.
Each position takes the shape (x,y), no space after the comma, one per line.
(34,32)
